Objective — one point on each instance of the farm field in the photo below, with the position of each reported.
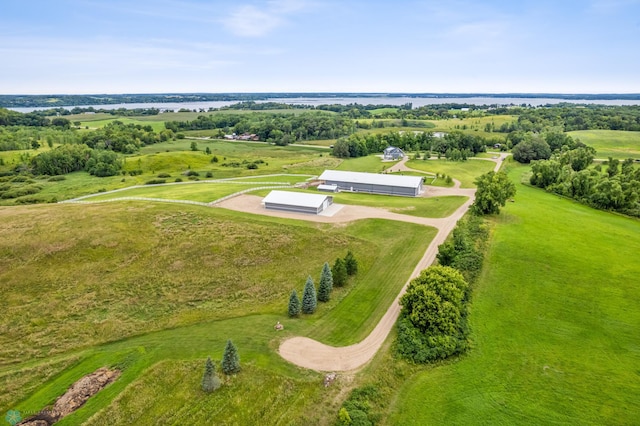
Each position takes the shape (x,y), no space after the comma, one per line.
(554,319)
(611,143)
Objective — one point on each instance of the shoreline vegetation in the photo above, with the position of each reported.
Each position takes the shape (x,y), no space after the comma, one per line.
(63,100)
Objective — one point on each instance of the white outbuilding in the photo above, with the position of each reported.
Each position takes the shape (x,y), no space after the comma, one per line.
(373,183)
(297,202)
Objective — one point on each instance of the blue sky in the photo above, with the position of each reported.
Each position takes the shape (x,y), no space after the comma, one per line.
(494,46)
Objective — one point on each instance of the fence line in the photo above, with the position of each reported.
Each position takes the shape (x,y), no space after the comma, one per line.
(165,200)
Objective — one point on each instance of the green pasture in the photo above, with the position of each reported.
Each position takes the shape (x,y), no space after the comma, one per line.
(97,124)
(555,324)
(176,159)
(474,125)
(611,143)
(173,282)
(203,192)
(465,171)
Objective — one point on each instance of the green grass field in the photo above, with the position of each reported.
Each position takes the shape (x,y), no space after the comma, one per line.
(466,171)
(169,282)
(473,125)
(555,324)
(611,143)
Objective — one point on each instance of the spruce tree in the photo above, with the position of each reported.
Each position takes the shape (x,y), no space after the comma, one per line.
(326,284)
(210,380)
(309,297)
(294,304)
(230,359)
(339,272)
(351,264)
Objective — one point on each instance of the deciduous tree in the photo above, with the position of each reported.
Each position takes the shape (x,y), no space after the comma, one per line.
(494,189)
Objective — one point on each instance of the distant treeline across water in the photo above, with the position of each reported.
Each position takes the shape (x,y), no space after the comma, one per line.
(26,103)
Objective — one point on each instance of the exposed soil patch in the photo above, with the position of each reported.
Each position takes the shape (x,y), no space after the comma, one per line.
(74,398)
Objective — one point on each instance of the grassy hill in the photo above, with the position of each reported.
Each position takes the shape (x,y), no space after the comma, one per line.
(554,322)
(135,284)
(611,143)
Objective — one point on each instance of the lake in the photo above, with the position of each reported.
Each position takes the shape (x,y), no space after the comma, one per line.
(416,101)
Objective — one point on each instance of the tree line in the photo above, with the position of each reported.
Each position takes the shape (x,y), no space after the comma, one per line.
(615,188)
(454,145)
(278,128)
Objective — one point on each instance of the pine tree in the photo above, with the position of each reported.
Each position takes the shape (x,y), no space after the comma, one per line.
(339,272)
(210,380)
(351,264)
(309,297)
(326,284)
(294,304)
(230,359)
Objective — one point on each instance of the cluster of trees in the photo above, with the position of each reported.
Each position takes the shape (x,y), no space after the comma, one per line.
(455,145)
(433,320)
(76,157)
(567,117)
(464,250)
(230,365)
(567,174)
(278,128)
(125,138)
(23,137)
(529,146)
(31,119)
(329,277)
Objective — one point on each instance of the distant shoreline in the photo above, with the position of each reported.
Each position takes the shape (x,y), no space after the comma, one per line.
(97,100)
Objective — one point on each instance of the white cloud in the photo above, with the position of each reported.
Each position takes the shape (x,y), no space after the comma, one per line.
(254,21)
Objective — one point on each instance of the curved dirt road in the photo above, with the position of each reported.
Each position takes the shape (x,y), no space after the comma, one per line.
(311,354)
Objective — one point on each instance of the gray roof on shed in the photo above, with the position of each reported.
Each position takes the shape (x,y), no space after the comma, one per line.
(372,178)
(300,199)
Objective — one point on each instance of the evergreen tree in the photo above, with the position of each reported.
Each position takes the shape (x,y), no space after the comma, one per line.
(294,304)
(351,264)
(210,380)
(326,284)
(230,359)
(309,297)
(339,272)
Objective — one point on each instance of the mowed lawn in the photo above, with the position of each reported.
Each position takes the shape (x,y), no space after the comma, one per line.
(555,320)
(611,143)
(465,171)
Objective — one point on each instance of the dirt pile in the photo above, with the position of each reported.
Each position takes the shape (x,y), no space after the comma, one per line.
(74,398)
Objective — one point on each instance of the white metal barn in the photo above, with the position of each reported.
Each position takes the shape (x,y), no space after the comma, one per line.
(374,183)
(298,202)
